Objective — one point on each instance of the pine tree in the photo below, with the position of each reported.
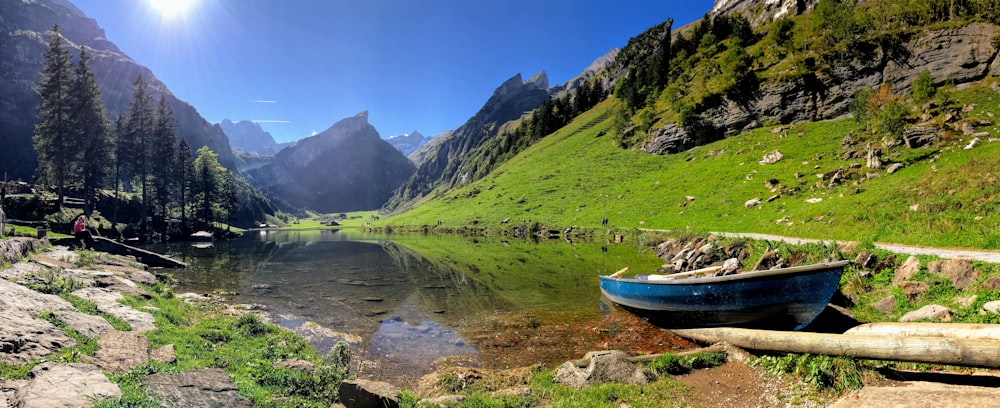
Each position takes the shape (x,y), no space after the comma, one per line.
(139,122)
(161,158)
(183,174)
(52,138)
(230,198)
(90,125)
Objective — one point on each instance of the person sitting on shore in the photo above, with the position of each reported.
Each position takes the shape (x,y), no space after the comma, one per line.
(81,233)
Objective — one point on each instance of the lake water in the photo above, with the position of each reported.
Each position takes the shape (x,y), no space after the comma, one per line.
(410,303)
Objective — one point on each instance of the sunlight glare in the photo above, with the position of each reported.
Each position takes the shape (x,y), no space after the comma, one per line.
(171,8)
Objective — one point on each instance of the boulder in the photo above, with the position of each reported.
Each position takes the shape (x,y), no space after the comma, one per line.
(992,283)
(992,307)
(753,202)
(368,394)
(604,367)
(14,249)
(934,313)
(206,387)
(913,289)
(959,271)
(906,271)
(65,385)
(886,305)
(165,354)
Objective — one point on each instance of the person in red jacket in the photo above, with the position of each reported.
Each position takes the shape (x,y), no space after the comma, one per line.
(80,231)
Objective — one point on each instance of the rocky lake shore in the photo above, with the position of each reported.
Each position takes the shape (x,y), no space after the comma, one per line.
(38,327)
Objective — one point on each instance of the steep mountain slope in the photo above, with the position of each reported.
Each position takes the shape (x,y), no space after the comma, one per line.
(347,167)
(512,99)
(755,113)
(248,137)
(23,28)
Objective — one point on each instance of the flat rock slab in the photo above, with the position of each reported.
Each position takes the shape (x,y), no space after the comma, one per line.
(24,339)
(107,302)
(33,303)
(65,385)
(921,394)
(204,388)
(118,351)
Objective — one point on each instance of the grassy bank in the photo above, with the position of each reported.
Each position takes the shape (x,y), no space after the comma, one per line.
(943,196)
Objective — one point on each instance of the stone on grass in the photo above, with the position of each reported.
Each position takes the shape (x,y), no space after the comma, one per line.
(959,271)
(906,271)
(604,367)
(992,307)
(913,289)
(934,313)
(992,283)
(886,305)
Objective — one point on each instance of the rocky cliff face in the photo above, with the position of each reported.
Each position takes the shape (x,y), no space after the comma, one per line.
(956,55)
(23,28)
(443,157)
(347,167)
(248,137)
(763,11)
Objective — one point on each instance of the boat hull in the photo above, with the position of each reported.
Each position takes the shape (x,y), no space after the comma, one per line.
(781,299)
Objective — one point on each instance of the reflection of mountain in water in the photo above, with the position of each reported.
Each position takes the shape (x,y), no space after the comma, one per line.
(442,290)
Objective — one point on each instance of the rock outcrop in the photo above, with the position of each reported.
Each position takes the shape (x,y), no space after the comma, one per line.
(954,54)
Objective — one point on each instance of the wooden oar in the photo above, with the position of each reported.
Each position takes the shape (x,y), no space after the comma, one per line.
(709,269)
(620,272)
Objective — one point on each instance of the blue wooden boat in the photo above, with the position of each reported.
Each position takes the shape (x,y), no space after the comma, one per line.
(788,298)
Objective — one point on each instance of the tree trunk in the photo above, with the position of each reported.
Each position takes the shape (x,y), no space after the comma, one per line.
(918,349)
(952,330)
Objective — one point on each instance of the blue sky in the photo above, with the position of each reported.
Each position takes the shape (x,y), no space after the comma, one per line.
(298,66)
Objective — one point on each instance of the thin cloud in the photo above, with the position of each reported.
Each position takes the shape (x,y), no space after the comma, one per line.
(270,121)
(264,101)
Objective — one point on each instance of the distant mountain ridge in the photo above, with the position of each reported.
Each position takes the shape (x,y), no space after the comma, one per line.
(347,167)
(408,143)
(248,137)
(23,38)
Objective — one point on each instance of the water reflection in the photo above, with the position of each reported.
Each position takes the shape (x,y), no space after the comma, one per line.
(407,301)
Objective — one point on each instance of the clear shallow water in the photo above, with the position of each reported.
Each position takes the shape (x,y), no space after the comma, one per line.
(405,302)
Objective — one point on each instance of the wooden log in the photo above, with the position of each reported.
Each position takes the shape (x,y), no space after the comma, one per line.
(952,330)
(583,362)
(146,257)
(931,350)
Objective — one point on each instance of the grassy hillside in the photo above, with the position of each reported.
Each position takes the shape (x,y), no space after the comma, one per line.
(944,196)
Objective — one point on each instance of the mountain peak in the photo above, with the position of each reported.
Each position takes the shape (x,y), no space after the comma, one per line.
(541,80)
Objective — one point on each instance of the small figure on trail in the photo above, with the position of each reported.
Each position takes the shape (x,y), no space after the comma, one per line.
(80,231)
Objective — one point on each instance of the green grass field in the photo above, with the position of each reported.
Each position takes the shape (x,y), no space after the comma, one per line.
(944,196)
